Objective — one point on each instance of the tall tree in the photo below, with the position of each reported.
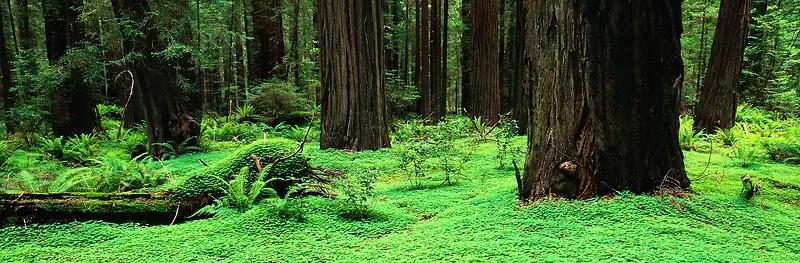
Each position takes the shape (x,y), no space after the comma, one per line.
(606,104)
(354,108)
(168,116)
(295,36)
(437,97)
(75,109)
(520,66)
(268,35)
(466,53)
(5,65)
(445,33)
(425,69)
(720,94)
(26,38)
(484,100)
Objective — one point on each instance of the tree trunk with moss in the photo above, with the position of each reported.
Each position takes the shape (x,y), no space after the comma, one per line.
(604,117)
(354,109)
(720,94)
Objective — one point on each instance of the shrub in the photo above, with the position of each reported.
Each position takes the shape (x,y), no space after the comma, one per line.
(358,190)
(413,130)
(731,136)
(686,135)
(412,162)
(506,150)
(745,154)
(276,98)
(785,149)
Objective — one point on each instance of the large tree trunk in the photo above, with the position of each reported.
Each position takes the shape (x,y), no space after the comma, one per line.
(436,95)
(466,53)
(295,36)
(354,109)
(604,115)
(75,110)
(485,87)
(425,69)
(168,117)
(268,36)
(720,94)
(520,67)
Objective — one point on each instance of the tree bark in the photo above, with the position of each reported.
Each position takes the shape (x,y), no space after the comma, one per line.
(295,36)
(520,66)
(466,53)
(5,69)
(485,86)
(445,34)
(268,36)
(74,112)
(425,69)
(26,39)
(167,115)
(436,95)
(354,108)
(604,117)
(720,94)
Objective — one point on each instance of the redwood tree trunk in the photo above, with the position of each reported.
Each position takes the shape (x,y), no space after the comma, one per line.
(5,69)
(520,65)
(445,24)
(484,100)
(268,36)
(720,94)
(466,53)
(425,69)
(436,95)
(354,109)
(167,115)
(604,117)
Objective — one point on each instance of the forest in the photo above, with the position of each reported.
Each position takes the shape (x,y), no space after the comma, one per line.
(400,131)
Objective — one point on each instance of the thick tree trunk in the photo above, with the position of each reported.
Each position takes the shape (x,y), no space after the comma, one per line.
(520,66)
(268,36)
(354,109)
(485,87)
(720,94)
(466,53)
(74,112)
(425,69)
(436,96)
(166,113)
(604,117)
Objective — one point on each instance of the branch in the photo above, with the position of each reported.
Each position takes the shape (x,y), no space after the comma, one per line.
(125,109)
(299,149)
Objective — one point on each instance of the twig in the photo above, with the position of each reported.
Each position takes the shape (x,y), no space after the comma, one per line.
(299,149)
(258,162)
(125,109)
(519,179)
(202,162)
(176,214)
(708,163)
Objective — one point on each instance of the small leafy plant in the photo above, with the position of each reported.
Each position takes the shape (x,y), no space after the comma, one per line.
(358,190)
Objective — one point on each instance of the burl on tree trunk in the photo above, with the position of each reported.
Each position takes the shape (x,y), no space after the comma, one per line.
(720,94)
(605,106)
(354,113)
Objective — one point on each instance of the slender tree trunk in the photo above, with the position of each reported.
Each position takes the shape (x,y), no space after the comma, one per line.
(445,34)
(418,53)
(605,111)
(166,113)
(436,96)
(26,39)
(425,78)
(269,38)
(466,53)
(74,112)
(295,36)
(406,45)
(520,66)
(5,69)
(505,89)
(354,108)
(485,89)
(720,95)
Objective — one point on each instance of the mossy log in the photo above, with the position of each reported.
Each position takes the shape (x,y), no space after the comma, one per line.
(148,208)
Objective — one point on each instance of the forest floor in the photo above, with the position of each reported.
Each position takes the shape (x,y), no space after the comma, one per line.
(476,220)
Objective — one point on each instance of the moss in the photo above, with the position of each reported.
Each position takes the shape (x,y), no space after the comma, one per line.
(207,180)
